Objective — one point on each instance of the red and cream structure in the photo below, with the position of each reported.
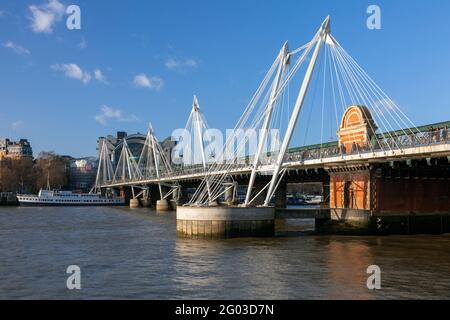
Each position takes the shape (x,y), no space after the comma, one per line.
(350,186)
(395,189)
(357,129)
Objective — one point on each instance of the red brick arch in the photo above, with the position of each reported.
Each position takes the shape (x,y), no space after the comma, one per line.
(357,128)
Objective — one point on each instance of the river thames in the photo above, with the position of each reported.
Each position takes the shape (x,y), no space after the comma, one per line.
(134,254)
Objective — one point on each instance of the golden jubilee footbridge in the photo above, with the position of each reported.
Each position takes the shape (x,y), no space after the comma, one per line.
(373,133)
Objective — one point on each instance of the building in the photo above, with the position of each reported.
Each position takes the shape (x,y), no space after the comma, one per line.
(114,144)
(15,149)
(353,189)
(167,146)
(357,129)
(135,143)
(83,172)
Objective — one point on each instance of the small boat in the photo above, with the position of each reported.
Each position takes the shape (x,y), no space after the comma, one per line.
(294,200)
(314,200)
(67,198)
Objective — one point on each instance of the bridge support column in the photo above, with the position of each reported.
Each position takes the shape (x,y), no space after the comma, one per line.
(350,195)
(145,200)
(225,222)
(175,194)
(126,194)
(281,196)
(326,193)
(175,199)
(162,205)
(230,193)
(134,203)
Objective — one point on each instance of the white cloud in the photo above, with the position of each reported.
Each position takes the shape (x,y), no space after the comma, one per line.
(107,113)
(73,71)
(17,124)
(181,65)
(16,48)
(99,76)
(172,64)
(143,81)
(191,63)
(46,15)
(2,13)
(82,44)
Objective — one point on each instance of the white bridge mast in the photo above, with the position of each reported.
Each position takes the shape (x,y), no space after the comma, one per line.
(155,159)
(319,39)
(199,127)
(283,61)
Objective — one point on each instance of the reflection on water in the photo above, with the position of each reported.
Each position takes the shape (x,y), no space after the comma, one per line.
(133,254)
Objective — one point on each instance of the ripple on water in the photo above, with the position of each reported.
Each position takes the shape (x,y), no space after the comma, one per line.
(134,254)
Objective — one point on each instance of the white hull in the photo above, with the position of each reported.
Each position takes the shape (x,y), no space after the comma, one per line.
(67,198)
(315,200)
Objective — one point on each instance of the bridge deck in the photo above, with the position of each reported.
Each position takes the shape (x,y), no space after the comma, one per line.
(295,161)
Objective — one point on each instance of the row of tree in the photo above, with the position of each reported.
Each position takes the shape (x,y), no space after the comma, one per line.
(27,175)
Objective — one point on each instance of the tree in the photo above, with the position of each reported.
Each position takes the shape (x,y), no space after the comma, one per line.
(51,166)
(16,175)
(24,175)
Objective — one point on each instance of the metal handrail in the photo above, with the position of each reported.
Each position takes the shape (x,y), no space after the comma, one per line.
(391,143)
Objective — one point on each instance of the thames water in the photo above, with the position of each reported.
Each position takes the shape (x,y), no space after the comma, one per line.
(136,254)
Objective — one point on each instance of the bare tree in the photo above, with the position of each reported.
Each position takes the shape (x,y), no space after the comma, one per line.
(51,166)
(25,175)
(17,175)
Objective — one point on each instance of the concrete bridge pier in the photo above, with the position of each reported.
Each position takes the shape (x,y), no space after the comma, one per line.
(127,194)
(162,205)
(136,198)
(145,201)
(231,189)
(225,222)
(175,201)
(134,203)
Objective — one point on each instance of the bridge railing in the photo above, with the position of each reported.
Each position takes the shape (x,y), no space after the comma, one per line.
(182,170)
(383,142)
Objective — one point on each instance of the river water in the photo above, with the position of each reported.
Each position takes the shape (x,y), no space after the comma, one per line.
(135,254)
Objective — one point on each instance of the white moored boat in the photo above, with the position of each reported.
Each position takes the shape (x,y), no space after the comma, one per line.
(314,200)
(67,198)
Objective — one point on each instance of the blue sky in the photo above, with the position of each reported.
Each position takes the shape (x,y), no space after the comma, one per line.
(139,61)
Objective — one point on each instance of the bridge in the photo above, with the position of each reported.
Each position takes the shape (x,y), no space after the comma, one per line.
(379,160)
(426,143)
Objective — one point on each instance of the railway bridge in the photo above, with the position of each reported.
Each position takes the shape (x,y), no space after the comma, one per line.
(381,170)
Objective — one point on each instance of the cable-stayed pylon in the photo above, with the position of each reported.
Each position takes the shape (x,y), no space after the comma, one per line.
(153,162)
(105,171)
(127,168)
